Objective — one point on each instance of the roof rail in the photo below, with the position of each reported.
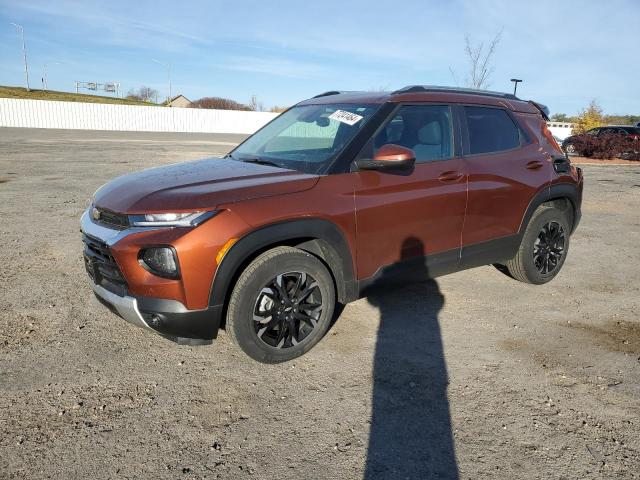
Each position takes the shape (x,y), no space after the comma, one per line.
(330,92)
(467,91)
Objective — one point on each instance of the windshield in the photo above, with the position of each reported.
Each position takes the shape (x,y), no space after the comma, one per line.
(305,138)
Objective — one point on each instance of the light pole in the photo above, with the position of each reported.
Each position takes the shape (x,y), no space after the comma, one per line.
(168,67)
(515,81)
(24,54)
(44,75)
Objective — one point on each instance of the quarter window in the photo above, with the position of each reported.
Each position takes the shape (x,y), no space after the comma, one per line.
(426,129)
(490,130)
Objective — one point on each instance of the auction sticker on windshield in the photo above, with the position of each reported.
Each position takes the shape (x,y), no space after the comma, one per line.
(345,117)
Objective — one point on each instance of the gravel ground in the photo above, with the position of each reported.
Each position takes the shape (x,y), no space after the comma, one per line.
(471,376)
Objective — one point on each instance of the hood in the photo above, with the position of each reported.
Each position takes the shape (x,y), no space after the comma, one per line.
(200,185)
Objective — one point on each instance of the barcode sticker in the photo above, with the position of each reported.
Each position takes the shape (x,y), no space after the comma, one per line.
(345,117)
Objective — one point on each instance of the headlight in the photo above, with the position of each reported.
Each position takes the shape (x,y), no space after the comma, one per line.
(161,261)
(189,219)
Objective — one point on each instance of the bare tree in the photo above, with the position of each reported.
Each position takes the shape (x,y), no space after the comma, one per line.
(256,105)
(480,67)
(218,103)
(146,94)
(454,76)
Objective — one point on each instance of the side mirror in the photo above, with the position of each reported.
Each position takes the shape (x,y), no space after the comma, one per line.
(389,157)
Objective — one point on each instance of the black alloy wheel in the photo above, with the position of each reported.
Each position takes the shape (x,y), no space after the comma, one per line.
(549,247)
(287,310)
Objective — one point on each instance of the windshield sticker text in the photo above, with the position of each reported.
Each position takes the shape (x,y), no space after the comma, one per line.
(345,117)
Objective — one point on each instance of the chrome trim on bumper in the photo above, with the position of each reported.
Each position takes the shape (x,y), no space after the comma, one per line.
(110,236)
(127,307)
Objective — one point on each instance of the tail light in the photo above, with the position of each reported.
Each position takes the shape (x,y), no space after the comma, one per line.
(562,164)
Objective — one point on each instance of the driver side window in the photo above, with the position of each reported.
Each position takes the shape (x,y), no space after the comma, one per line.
(426,129)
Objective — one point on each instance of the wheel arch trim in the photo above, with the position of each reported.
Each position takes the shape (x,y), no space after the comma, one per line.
(556,191)
(317,236)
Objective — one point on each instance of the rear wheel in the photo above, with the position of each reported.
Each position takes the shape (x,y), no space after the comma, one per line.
(281,305)
(543,248)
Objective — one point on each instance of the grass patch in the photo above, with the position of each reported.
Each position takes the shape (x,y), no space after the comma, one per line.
(20,92)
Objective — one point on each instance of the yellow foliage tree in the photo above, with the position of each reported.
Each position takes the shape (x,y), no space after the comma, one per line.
(589,118)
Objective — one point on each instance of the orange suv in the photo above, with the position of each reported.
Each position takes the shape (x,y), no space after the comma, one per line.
(339,192)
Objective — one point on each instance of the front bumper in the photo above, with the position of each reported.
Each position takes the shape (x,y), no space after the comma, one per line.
(125,307)
(167,317)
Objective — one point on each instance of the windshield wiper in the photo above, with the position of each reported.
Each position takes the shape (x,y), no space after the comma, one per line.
(261,161)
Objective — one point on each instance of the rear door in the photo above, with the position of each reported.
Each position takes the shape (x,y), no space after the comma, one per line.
(506,167)
(409,214)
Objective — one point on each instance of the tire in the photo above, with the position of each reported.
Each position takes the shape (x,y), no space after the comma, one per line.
(570,149)
(543,248)
(273,314)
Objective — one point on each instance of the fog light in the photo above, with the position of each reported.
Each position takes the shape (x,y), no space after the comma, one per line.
(154,320)
(160,261)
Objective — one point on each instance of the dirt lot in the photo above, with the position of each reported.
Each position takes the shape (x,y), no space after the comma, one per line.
(473,376)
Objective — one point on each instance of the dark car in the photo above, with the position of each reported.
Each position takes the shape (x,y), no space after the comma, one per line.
(340,192)
(582,144)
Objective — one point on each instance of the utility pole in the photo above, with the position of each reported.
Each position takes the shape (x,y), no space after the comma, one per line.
(24,54)
(44,75)
(515,81)
(168,67)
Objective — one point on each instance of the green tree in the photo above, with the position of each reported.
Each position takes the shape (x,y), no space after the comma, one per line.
(589,118)
(622,119)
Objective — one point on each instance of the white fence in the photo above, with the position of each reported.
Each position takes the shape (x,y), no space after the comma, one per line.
(99,116)
(560,129)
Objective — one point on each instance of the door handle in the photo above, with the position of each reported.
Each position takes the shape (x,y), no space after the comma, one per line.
(534,165)
(450,176)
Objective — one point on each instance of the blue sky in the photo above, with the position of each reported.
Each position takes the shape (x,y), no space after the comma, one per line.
(568,52)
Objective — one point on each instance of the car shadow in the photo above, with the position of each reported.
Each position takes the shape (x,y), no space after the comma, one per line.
(410,435)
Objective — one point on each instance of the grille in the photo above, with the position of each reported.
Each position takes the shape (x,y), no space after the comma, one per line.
(112,219)
(102,267)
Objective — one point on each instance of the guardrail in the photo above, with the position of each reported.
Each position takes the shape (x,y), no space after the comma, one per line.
(99,116)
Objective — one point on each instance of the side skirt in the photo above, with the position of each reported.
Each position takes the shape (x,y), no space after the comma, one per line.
(412,270)
(431,266)
(487,253)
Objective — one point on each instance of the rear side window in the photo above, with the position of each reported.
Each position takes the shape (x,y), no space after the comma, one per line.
(490,130)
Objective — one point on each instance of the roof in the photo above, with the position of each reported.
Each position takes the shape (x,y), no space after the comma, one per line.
(422,93)
(177,97)
(468,91)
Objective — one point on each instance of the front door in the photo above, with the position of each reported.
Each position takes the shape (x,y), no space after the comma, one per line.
(406,215)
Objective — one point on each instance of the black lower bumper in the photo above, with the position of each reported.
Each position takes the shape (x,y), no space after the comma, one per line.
(169,318)
(172,320)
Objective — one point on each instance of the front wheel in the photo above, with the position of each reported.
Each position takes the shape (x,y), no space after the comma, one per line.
(281,305)
(543,248)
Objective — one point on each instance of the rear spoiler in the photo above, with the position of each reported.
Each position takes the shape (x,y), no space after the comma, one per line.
(543,109)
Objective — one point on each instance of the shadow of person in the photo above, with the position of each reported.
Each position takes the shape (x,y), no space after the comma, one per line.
(410,436)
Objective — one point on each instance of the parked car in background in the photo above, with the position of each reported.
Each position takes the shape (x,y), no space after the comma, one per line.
(341,192)
(624,138)
(558,140)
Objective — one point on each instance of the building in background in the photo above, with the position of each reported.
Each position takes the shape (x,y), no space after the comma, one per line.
(179,101)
